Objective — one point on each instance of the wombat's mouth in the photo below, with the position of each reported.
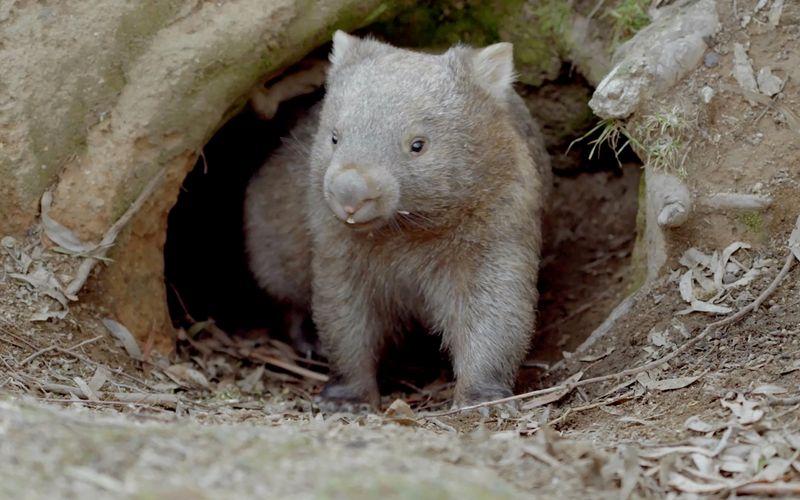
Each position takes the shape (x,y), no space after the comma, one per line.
(369,225)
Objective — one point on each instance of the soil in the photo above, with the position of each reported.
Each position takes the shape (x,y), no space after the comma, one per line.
(225,425)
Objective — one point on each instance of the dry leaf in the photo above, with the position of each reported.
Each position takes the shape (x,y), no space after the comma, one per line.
(794,239)
(60,234)
(400,412)
(87,391)
(792,368)
(695,423)
(775,469)
(774,14)
(119,332)
(701,306)
(769,389)
(598,357)
(666,384)
(685,287)
(746,411)
(686,485)
(99,378)
(553,396)
(187,377)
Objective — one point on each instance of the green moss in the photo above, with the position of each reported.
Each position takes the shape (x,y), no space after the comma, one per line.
(638,265)
(753,220)
(537,30)
(628,17)
(438,25)
(538,34)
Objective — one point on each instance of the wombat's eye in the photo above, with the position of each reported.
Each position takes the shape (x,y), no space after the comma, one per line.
(417,146)
(334,137)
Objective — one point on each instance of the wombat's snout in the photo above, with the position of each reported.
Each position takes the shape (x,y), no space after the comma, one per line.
(354,196)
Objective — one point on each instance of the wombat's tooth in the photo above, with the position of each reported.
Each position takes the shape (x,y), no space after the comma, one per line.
(403,212)
(350,220)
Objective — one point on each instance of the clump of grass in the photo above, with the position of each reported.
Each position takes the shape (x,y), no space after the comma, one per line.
(628,17)
(613,132)
(665,137)
(753,220)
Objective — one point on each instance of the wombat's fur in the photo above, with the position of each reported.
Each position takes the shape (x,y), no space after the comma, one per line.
(420,197)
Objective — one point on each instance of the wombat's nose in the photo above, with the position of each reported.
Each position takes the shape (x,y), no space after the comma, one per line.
(352,193)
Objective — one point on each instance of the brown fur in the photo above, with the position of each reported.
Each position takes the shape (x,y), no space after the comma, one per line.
(450,237)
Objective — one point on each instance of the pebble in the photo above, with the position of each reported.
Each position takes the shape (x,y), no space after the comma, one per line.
(707,93)
(711,59)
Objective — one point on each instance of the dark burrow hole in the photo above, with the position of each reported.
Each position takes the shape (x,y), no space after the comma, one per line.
(589,235)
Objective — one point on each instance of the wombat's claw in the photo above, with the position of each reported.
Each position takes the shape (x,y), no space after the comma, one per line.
(337,397)
(510,408)
(334,406)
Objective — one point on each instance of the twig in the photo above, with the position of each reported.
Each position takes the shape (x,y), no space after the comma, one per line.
(787,266)
(111,235)
(60,349)
(36,355)
(16,337)
(769,489)
(589,406)
(772,400)
(121,397)
(91,402)
(289,367)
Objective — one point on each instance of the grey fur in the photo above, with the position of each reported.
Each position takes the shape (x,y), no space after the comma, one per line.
(451,236)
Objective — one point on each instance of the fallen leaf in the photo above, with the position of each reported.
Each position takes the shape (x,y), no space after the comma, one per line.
(685,287)
(87,391)
(774,14)
(119,332)
(668,384)
(58,233)
(553,396)
(775,469)
(791,368)
(707,307)
(656,337)
(742,69)
(794,239)
(400,412)
(686,485)
(695,423)
(732,463)
(598,357)
(746,411)
(769,389)
(187,377)
(719,272)
(99,378)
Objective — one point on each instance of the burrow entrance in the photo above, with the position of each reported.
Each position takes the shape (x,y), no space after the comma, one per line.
(589,232)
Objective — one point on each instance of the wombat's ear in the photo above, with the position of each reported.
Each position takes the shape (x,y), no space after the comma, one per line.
(342,45)
(348,48)
(493,68)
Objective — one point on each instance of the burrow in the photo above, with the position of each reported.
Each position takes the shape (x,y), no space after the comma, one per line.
(590,230)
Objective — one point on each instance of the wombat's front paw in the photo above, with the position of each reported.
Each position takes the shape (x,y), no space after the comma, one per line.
(338,396)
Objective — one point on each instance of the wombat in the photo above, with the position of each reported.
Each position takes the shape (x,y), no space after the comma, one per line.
(419,197)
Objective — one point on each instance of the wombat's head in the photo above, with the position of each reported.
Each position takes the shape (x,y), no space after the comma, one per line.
(405,134)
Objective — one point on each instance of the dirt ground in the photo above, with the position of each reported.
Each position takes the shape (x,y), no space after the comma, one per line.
(233,417)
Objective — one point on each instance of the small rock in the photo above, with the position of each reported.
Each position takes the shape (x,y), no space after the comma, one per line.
(742,70)
(774,14)
(746,20)
(707,93)
(768,83)
(711,59)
